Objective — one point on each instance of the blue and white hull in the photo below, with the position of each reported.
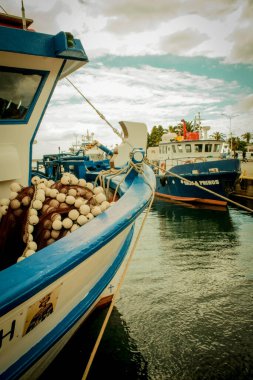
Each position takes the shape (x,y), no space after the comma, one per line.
(48,290)
(61,284)
(217,176)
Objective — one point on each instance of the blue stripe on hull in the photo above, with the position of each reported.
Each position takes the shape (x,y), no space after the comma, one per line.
(65,325)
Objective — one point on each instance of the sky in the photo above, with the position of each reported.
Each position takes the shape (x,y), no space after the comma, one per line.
(154,62)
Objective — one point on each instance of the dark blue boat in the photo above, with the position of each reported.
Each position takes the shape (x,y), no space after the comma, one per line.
(194,168)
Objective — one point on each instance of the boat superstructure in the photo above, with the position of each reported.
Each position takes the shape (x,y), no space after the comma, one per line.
(196,158)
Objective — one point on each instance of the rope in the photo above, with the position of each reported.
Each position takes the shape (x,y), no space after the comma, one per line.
(93,353)
(100,114)
(199,186)
(97,111)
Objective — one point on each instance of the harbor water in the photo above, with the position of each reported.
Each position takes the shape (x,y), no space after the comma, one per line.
(185,309)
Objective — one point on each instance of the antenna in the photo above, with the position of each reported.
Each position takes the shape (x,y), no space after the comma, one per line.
(23,15)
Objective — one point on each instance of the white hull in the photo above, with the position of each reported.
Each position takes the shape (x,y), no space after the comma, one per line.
(66,295)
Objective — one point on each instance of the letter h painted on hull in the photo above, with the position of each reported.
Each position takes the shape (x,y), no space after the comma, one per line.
(10,333)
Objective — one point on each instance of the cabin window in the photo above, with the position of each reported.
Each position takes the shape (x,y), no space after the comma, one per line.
(216,147)
(188,148)
(179,148)
(208,147)
(17,92)
(173,149)
(198,147)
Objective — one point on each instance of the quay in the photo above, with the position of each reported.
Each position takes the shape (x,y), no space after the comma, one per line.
(244,187)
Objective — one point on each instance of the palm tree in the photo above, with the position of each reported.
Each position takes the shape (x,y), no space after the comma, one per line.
(172,129)
(247,137)
(189,127)
(218,136)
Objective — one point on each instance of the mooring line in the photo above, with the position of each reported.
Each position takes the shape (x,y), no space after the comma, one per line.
(115,295)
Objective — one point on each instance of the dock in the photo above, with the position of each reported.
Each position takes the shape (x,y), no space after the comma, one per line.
(244,187)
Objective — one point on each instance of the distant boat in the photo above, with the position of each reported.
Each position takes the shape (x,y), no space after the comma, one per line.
(82,158)
(198,159)
(64,238)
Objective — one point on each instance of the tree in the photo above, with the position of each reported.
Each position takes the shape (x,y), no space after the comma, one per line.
(237,144)
(156,135)
(189,127)
(218,136)
(172,129)
(247,137)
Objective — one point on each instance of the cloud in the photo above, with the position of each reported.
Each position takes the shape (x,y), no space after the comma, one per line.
(130,27)
(131,15)
(242,50)
(146,94)
(183,41)
(245,104)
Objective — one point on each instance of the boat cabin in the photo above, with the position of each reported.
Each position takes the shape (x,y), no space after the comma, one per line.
(31,65)
(190,150)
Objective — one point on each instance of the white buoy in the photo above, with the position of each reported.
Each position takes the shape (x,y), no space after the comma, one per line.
(82,182)
(89,186)
(4,202)
(26,201)
(33,219)
(74,227)
(57,225)
(53,193)
(61,197)
(96,210)
(13,195)
(81,220)
(16,187)
(35,180)
(70,200)
(84,209)
(98,190)
(14,204)
(29,252)
(72,192)
(21,258)
(32,245)
(73,214)
(67,223)
(37,205)
(100,197)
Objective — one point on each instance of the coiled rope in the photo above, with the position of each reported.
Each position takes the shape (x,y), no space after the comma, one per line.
(197,185)
(139,169)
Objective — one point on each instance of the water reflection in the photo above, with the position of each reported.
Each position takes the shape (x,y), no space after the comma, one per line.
(116,358)
(196,230)
(185,310)
(188,299)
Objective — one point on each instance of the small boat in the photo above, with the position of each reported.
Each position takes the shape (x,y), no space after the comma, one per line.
(55,271)
(86,158)
(194,168)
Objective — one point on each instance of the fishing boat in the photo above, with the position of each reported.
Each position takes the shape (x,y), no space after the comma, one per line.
(48,287)
(194,168)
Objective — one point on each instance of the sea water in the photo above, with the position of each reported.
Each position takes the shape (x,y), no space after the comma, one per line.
(185,309)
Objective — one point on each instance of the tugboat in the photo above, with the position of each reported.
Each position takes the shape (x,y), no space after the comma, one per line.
(191,163)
